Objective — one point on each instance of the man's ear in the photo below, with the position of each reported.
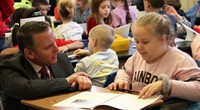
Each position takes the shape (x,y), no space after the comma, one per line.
(94,41)
(28,53)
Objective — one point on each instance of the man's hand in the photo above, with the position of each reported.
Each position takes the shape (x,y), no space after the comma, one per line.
(80,78)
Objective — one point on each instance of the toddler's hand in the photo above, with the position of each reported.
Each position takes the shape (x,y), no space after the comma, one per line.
(81,52)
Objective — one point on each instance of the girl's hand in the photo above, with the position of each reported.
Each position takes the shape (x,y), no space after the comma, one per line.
(151,89)
(119,85)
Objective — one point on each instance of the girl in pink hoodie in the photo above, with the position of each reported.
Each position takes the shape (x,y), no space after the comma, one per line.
(156,67)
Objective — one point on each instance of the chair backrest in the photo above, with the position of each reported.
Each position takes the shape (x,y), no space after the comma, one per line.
(110,78)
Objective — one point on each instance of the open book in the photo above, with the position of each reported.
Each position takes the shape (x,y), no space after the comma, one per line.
(92,100)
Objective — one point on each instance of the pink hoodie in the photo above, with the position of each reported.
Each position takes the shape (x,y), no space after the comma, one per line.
(178,65)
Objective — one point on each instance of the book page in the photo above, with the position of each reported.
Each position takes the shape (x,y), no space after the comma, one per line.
(92,100)
(131,102)
(86,100)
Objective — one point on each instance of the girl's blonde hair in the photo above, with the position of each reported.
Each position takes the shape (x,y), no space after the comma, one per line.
(95,12)
(158,24)
(66,8)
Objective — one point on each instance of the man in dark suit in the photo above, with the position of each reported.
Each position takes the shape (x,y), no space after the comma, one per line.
(20,76)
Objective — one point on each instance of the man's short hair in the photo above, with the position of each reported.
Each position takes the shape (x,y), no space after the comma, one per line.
(26,32)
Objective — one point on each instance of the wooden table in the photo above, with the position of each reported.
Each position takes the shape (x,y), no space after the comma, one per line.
(47,102)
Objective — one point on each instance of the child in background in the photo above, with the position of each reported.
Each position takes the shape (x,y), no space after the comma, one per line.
(102,60)
(173,8)
(69,30)
(100,14)
(82,11)
(122,14)
(180,31)
(157,67)
(157,6)
(177,6)
(42,5)
(63,45)
(16,16)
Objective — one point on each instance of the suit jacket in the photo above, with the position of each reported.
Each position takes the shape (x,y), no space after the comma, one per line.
(19,81)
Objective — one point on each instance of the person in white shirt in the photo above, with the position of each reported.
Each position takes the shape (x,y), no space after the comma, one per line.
(69,30)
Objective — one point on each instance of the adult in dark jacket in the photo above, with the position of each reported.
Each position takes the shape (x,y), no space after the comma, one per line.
(20,76)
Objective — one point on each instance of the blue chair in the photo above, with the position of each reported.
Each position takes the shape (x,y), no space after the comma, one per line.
(110,78)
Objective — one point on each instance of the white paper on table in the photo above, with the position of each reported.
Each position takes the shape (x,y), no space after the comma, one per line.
(24,20)
(86,100)
(130,102)
(190,33)
(123,30)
